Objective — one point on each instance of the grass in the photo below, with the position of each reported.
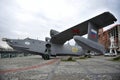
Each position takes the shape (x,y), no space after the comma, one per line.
(74,59)
(83,57)
(116,58)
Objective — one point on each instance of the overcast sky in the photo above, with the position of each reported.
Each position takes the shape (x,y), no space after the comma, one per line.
(35,18)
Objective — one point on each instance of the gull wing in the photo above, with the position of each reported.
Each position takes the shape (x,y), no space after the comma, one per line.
(99,21)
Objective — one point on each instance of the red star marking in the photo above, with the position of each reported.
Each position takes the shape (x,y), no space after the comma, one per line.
(76,31)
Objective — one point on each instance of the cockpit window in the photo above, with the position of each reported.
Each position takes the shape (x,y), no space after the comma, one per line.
(27,43)
(27,39)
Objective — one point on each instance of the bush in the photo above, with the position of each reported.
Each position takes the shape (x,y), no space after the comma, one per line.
(69,59)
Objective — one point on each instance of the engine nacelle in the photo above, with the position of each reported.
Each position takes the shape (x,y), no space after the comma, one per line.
(48,45)
(53,32)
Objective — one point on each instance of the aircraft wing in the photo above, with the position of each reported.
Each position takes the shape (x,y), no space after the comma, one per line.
(99,21)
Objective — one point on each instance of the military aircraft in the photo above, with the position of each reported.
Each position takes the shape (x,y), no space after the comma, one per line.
(55,46)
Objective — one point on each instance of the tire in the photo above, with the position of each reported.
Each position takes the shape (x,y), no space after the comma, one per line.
(46,57)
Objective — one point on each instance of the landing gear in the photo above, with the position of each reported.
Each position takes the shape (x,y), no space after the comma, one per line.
(46,57)
(88,55)
(47,54)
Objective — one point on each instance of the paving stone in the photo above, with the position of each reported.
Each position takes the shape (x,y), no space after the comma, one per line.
(96,68)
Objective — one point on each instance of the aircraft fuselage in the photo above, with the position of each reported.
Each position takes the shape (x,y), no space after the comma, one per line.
(39,47)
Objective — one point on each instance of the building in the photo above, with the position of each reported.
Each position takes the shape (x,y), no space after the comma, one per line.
(104,36)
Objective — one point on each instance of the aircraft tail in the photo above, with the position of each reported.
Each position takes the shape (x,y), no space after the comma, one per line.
(92,32)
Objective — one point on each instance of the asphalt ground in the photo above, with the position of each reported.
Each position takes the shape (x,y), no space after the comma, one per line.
(35,68)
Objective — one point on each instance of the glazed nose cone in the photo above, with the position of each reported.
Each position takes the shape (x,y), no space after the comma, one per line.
(5,39)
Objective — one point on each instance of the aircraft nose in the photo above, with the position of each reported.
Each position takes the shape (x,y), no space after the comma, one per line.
(5,39)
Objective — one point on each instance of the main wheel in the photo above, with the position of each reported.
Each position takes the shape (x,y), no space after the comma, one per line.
(46,57)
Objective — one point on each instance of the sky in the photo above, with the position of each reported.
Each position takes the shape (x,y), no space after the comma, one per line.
(35,18)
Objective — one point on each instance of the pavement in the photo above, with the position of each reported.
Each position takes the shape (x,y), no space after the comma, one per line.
(35,68)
